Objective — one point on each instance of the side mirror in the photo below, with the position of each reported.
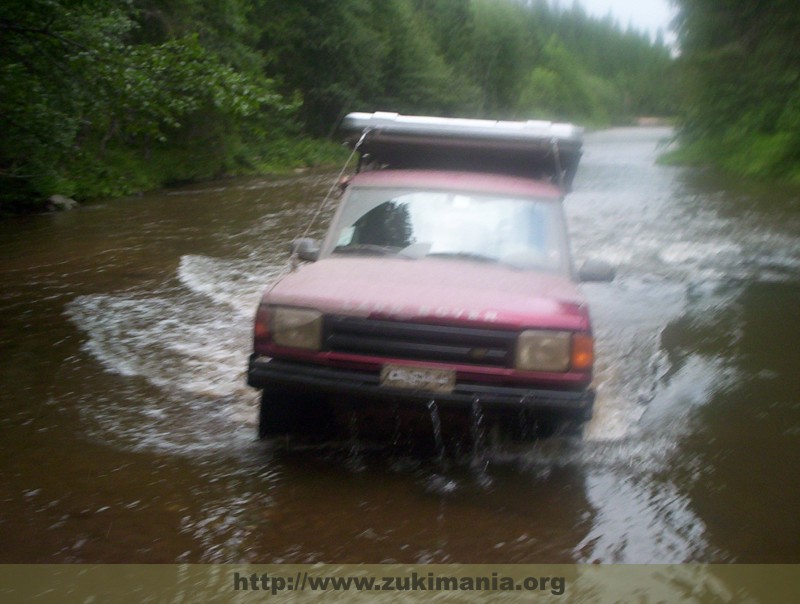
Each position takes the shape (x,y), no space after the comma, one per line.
(596,270)
(306,249)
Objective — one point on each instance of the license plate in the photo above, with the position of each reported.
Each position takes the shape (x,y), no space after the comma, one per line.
(418,378)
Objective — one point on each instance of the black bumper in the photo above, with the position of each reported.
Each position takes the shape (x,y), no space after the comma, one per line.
(264,372)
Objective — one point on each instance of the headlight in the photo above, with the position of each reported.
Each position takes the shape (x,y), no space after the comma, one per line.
(297,327)
(543,350)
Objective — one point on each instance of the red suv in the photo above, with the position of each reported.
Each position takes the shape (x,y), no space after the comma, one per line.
(445,277)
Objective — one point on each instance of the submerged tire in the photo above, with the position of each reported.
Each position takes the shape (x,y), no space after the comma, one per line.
(284,412)
(275,415)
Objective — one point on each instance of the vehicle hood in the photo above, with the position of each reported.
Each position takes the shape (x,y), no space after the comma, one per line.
(453,291)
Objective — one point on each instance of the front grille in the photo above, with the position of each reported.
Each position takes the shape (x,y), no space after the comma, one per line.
(420,342)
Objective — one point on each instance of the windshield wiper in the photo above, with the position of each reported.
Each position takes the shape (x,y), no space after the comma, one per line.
(366,249)
(464,255)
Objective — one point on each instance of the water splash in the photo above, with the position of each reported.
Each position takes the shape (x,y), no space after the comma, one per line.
(436,424)
(355,461)
(479,461)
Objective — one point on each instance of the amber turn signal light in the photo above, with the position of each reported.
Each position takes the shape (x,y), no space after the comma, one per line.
(582,352)
(261,328)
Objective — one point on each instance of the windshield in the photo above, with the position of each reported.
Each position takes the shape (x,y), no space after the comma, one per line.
(417,224)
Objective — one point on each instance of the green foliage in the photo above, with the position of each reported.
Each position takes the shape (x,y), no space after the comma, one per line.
(459,57)
(329,52)
(497,47)
(415,77)
(353,54)
(637,74)
(740,71)
(560,88)
(107,97)
(82,107)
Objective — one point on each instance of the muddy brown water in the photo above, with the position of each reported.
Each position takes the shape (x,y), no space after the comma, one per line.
(128,433)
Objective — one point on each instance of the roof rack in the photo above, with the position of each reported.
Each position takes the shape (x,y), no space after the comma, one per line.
(535,149)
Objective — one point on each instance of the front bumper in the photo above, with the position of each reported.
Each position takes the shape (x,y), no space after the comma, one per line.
(265,372)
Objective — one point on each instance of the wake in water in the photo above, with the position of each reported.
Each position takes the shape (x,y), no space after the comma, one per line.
(194,337)
(184,349)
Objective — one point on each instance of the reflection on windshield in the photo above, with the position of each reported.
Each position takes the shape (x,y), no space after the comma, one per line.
(523,233)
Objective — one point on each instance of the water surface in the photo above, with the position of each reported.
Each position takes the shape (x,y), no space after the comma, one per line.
(128,433)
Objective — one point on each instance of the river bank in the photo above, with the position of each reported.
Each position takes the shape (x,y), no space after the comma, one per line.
(127,172)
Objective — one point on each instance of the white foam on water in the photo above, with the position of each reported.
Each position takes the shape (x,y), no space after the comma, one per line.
(237,284)
(171,342)
(638,521)
(695,252)
(639,515)
(189,344)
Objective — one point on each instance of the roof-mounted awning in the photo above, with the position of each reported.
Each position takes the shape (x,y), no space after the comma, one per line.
(535,149)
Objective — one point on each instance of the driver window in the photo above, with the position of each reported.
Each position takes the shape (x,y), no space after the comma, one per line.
(388,224)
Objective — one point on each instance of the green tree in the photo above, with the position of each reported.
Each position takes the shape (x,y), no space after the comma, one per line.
(740,63)
(328,52)
(559,87)
(497,51)
(84,107)
(102,97)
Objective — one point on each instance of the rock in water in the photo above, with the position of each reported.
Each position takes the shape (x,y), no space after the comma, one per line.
(58,203)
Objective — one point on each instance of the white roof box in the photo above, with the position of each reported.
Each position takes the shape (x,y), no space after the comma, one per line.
(536,149)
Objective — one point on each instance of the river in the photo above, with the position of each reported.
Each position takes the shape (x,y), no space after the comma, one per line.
(128,433)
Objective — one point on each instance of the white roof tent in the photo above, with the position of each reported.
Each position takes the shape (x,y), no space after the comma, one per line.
(535,149)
